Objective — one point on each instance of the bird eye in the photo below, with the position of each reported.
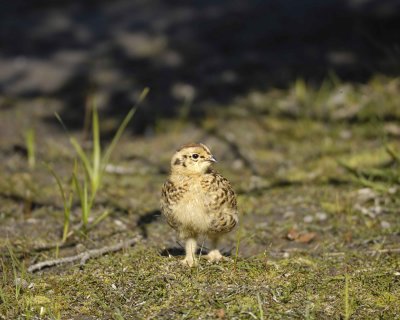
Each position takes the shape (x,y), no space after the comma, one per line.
(195,155)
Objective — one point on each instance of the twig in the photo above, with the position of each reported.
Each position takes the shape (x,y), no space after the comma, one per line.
(84,256)
(392,154)
(335,253)
(59,245)
(389,250)
(283,183)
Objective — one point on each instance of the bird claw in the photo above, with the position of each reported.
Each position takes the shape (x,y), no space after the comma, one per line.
(189,262)
(214,256)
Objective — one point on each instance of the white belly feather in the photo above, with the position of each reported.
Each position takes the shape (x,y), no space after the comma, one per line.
(191,211)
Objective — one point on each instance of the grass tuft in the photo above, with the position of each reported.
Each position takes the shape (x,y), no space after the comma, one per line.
(94,167)
(30,147)
(67,198)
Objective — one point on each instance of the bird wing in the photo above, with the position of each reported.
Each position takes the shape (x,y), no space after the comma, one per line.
(170,195)
(221,202)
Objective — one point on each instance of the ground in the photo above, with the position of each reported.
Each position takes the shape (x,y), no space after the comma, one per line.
(317,178)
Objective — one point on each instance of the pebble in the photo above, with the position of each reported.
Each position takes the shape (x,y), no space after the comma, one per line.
(321,216)
(366,194)
(237,164)
(392,190)
(289,214)
(308,219)
(22,283)
(385,224)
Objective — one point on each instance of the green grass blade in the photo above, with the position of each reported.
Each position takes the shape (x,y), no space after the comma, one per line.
(58,117)
(260,307)
(118,315)
(85,205)
(30,147)
(77,186)
(392,153)
(80,193)
(96,177)
(67,218)
(77,146)
(3,268)
(380,187)
(100,218)
(83,157)
(121,129)
(67,204)
(236,253)
(59,184)
(347,312)
(117,136)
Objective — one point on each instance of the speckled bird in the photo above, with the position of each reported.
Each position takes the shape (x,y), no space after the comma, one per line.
(197,201)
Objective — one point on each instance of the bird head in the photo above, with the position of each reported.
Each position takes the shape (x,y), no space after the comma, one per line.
(193,158)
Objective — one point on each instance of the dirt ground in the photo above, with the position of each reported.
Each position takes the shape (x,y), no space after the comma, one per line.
(315,240)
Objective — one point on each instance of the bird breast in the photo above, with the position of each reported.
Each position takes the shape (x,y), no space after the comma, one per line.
(191,210)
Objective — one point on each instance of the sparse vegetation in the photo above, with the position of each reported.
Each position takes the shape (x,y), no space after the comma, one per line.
(94,168)
(67,197)
(319,229)
(385,178)
(30,147)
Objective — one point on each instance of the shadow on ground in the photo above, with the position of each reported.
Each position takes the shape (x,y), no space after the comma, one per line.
(207,52)
(146,219)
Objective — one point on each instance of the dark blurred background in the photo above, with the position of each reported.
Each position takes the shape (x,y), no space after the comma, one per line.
(206,52)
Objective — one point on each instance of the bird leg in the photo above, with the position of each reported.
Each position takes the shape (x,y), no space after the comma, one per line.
(214,255)
(190,248)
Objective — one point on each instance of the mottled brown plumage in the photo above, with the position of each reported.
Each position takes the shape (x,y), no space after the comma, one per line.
(196,200)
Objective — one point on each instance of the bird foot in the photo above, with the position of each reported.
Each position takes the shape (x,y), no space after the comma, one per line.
(189,262)
(214,256)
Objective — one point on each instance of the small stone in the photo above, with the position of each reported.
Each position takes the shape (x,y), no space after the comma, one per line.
(237,164)
(366,194)
(385,225)
(345,134)
(120,224)
(392,190)
(392,129)
(321,216)
(364,211)
(22,283)
(308,219)
(377,209)
(289,214)
(183,91)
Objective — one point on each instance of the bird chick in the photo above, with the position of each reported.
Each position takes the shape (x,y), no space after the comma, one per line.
(197,201)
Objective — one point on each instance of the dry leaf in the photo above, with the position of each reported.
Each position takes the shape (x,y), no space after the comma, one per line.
(306,237)
(348,237)
(220,314)
(292,234)
(392,129)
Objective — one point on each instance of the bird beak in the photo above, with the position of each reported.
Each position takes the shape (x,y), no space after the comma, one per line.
(212,159)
